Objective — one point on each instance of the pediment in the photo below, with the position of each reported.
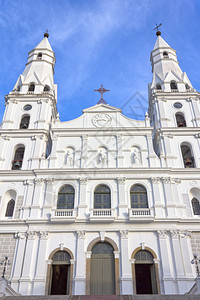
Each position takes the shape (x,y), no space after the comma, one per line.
(101,108)
(171,75)
(33,78)
(156,79)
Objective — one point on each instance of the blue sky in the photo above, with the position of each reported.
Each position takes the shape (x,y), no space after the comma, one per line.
(98,42)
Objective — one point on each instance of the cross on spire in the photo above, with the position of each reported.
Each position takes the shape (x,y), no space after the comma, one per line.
(102,90)
(156,28)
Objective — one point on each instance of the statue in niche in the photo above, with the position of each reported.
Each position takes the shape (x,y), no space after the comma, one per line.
(69,157)
(136,156)
(102,157)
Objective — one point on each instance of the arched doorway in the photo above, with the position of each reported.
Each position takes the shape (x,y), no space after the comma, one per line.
(102,280)
(145,273)
(60,273)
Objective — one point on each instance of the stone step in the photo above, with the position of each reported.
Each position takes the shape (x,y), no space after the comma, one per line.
(106,297)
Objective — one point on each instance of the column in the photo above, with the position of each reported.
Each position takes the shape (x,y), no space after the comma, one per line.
(187,254)
(178,260)
(40,273)
(80,278)
(157,196)
(8,119)
(53,155)
(82,206)
(35,207)
(152,156)
(84,156)
(126,278)
(19,257)
(28,199)
(122,204)
(167,266)
(120,155)
(37,151)
(2,147)
(48,198)
(25,280)
(170,206)
(168,149)
(195,105)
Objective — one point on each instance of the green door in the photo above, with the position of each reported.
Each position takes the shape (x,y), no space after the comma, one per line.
(102,274)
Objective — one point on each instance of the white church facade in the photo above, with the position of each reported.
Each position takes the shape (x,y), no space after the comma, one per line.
(102,204)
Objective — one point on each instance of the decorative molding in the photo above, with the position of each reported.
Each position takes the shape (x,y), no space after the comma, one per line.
(166,179)
(185,234)
(102,235)
(123,234)
(121,180)
(197,135)
(49,181)
(81,234)
(20,235)
(27,182)
(38,181)
(84,136)
(101,120)
(176,180)
(83,180)
(149,136)
(31,235)
(54,137)
(162,234)
(7,137)
(175,234)
(119,137)
(44,235)
(155,179)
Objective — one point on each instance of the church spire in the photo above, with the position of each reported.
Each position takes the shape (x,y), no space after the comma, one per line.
(165,67)
(39,69)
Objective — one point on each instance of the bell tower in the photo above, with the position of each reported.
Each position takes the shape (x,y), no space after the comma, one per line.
(174,109)
(30,109)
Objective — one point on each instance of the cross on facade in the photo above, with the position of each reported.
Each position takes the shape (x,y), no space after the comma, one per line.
(102,90)
(5,263)
(196,262)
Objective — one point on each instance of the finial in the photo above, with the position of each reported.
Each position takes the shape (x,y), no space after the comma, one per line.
(101,90)
(158,32)
(46,34)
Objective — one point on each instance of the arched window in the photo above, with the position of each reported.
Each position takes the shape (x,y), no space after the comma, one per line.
(138,197)
(187,86)
(66,197)
(24,122)
(180,120)
(165,54)
(102,197)
(196,206)
(31,87)
(10,208)
(39,56)
(173,85)
(158,86)
(188,158)
(18,158)
(46,88)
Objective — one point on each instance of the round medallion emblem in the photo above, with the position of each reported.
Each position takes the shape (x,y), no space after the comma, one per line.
(101,120)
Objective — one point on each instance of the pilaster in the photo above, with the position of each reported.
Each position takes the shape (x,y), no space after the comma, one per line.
(120,155)
(80,277)
(126,276)
(122,202)
(35,207)
(84,156)
(158,201)
(82,206)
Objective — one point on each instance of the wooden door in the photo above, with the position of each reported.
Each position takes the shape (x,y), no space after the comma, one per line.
(143,279)
(59,285)
(102,274)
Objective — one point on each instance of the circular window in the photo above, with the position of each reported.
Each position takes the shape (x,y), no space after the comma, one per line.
(178,105)
(27,107)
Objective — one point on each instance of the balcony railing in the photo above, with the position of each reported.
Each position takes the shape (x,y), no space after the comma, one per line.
(63,213)
(102,214)
(140,212)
